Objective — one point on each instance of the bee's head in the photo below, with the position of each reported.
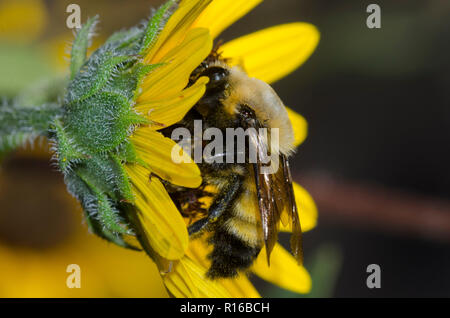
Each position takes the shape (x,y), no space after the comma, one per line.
(217,76)
(218,79)
(215,89)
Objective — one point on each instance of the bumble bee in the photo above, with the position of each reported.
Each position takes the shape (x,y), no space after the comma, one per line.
(248,203)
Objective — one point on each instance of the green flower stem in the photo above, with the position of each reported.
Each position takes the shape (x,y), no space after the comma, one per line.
(19,125)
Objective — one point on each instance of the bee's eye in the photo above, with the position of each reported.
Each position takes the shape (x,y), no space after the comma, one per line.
(217,76)
(215,73)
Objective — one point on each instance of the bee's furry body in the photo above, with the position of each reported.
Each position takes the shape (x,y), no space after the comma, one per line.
(233,220)
(236,234)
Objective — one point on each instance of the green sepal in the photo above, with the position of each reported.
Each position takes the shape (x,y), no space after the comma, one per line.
(80,190)
(108,215)
(94,76)
(66,150)
(80,46)
(126,152)
(104,191)
(97,228)
(156,24)
(127,81)
(102,174)
(124,185)
(126,39)
(137,119)
(101,122)
(106,174)
(140,72)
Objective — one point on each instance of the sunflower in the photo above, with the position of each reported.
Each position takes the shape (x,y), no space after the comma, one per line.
(184,42)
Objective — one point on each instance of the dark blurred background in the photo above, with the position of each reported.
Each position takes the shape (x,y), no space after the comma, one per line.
(376,160)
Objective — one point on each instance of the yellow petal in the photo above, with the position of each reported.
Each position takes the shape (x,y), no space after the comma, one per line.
(188,280)
(284,270)
(220,14)
(240,287)
(198,250)
(207,287)
(300,126)
(273,53)
(162,223)
(307,210)
(171,110)
(172,77)
(176,28)
(179,283)
(158,152)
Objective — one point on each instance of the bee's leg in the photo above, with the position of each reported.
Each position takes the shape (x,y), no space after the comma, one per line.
(220,204)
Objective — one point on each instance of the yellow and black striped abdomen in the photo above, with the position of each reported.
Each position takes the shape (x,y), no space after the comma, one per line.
(238,238)
(245,220)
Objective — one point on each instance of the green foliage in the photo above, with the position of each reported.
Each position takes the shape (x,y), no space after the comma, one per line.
(94,76)
(80,46)
(125,82)
(67,152)
(105,210)
(122,183)
(157,23)
(90,203)
(101,122)
(127,153)
(126,39)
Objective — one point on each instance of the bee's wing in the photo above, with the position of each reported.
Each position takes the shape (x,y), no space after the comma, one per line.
(276,200)
(269,217)
(263,182)
(292,211)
